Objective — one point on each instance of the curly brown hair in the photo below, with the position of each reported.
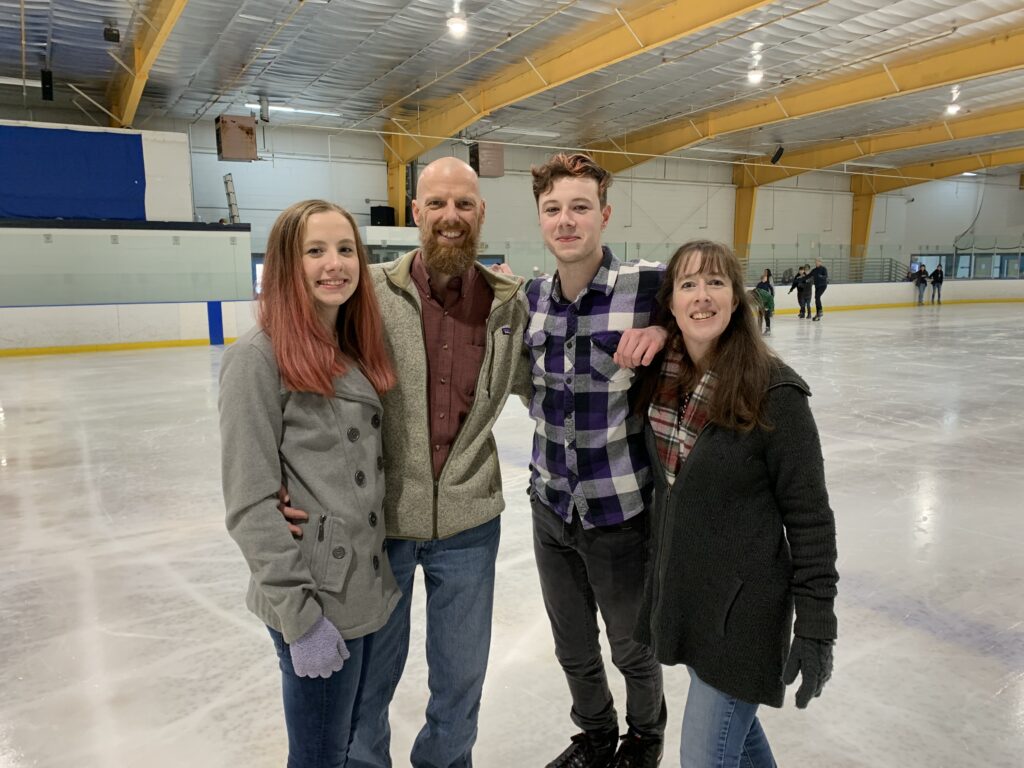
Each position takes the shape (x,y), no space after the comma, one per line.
(570,165)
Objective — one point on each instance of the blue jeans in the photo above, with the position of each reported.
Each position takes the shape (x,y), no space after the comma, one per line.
(920,292)
(319,712)
(936,292)
(459,576)
(720,731)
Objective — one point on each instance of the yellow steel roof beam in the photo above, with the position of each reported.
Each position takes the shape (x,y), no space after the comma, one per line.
(990,123)
(909,175)
(936,68)
(126,90)
(567,58)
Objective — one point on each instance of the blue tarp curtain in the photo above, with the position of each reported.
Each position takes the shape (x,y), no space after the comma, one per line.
(50,173)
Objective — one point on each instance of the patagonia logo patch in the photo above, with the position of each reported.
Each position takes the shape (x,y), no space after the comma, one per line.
(506,330)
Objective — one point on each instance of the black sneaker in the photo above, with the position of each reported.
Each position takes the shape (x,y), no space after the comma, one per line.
(589,749)
(638,751)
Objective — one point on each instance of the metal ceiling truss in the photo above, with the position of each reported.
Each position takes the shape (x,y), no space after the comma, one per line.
(126,90)
(760,171)
(948,65)
(564,60)
(909,175)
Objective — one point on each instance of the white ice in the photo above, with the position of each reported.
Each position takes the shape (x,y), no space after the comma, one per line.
(126,643)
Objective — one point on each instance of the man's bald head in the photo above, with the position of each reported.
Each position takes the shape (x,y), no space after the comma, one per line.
(447,169)
(449,212)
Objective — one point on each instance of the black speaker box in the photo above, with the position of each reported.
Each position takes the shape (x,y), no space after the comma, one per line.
(46,84)
(382,216)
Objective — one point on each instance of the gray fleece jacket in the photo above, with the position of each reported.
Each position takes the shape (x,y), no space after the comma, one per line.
(468,492)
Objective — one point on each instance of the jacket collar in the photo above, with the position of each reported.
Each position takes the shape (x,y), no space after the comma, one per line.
(399,274)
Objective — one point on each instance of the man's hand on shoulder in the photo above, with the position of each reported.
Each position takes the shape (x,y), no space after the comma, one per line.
(638,346)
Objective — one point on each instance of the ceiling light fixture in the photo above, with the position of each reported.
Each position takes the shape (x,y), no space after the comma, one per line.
(968,173)
(296,111)
(755,76)
(19,82)
(952,109)
(526,131)
(457,23)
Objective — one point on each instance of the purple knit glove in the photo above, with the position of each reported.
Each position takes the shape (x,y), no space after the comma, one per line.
(320,652)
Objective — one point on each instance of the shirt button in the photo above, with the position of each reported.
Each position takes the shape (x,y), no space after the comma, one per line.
(376,563)
(360,478)
(353,434)
(437,447)
(444,346)
(375,420)
(444,380)
(373,519)
(441,416)
(568,379)
(338,552)
(569,344)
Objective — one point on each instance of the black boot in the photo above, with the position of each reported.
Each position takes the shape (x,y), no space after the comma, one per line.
(638,751)
(589,749)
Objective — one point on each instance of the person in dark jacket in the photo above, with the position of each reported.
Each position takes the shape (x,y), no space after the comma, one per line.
(801,284)
(921,282)
(765,293)
(742,532)
(819,277)
(937,278)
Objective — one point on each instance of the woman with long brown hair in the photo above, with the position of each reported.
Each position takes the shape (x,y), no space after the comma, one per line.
(742,530)
(300,408)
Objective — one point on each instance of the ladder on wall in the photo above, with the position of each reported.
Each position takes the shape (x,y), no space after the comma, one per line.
(229,190)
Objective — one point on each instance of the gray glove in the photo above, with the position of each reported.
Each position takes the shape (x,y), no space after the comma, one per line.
(320,652)
(813,659)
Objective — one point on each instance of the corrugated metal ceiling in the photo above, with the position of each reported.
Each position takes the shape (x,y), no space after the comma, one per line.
(371,60)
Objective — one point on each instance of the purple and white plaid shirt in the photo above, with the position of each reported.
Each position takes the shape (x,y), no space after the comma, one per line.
(588,447)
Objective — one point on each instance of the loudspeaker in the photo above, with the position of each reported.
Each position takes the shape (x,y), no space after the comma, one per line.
(382,216)
(236,138)
(778,155)
(46,84)
(488,160)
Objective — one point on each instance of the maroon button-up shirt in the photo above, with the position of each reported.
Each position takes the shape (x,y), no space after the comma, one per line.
(455,335)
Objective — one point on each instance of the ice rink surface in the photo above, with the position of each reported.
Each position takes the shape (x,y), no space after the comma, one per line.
(126,642)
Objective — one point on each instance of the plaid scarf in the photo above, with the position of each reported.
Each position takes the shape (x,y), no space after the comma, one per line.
(677,418)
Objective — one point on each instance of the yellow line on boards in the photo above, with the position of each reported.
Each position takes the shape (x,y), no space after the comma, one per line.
(902,304)
(69,350)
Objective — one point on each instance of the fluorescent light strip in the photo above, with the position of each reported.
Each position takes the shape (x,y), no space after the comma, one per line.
(31,82)
(526,132)
(297,111)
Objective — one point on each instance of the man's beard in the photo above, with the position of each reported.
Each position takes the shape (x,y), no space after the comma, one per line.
(452,260)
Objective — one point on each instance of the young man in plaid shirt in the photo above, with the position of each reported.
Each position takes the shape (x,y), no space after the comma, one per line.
(591,481)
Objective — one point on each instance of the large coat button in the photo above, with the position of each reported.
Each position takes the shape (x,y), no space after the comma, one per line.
(360,478)
(375,420)
(353,434)
(376,563)
(338,552)
(373,519)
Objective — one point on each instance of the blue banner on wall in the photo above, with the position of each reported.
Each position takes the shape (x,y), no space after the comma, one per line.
(51,173)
